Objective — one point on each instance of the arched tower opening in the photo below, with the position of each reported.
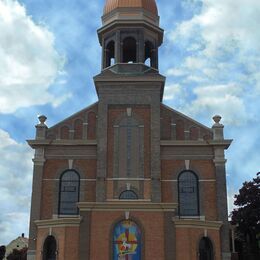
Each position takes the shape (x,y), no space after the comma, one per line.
(129,50)
(150,54)
(110,54)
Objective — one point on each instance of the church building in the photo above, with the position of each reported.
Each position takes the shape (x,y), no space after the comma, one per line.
(129,178)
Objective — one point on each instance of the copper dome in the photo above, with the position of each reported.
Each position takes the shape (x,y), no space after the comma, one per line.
(149,5)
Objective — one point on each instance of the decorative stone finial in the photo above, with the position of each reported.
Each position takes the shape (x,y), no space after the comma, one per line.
(41,128)
(218,128)
(42,119)
(217,119)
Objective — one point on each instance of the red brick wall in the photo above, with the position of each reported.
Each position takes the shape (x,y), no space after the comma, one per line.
(64,132)
(187,243)
(78,128)
(53,169)
(67,239)
(205,170)
(92,125)
(75,122)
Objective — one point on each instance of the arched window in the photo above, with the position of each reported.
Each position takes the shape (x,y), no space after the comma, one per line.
(129,50)
(110,53)
(127,241)
(128,195)
(205,249)
(69,193)
(49,248)
(188,194)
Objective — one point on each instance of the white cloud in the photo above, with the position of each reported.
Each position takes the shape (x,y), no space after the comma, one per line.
(173,91)
(15,187)
(219,99)
(224,39)
(29,63)
(175,72)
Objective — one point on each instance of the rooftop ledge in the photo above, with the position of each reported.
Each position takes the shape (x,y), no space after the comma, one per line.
(196,223)
(126,205)
(58,222)
(226,143)
(132,70)
(48,142)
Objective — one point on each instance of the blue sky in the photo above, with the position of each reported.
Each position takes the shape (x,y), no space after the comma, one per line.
(49,53)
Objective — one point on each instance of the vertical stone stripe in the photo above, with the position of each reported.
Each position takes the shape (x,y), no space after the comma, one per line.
(173,132)
(141,151)
(101,151)
(155,148)
(85,131)
(170,237)
(116,154)
(35,204)
(84,236)
(141,54)
(222,209)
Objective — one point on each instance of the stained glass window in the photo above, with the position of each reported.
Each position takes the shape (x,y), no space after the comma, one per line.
(127,241)
(188,194)
(69,193)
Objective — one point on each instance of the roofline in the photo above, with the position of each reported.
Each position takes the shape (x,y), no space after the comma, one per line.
(187,117)
(73,115)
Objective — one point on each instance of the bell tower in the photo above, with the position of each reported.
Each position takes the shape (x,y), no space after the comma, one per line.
(130,33)
(130,91)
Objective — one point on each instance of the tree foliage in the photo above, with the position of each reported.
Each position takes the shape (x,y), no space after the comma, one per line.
(18,254)
(2,252)
(247,214)
(246,217)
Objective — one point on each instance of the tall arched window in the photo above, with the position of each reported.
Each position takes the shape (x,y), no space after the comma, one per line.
(128,195)
(205,249)
(127,241)
(129,50)
(188,194)
(69,193)
(49,248)
(129,148)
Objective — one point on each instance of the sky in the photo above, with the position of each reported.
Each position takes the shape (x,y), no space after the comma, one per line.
(49,53)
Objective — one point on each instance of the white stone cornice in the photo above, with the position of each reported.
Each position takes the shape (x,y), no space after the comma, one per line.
(39,161)
(127,205)
(69,142)
(195,223)
(219,162)
(59,222)
(219,143)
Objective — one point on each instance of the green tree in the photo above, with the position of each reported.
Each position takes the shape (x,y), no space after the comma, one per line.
(18,254)
(247,216)
(2,252)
